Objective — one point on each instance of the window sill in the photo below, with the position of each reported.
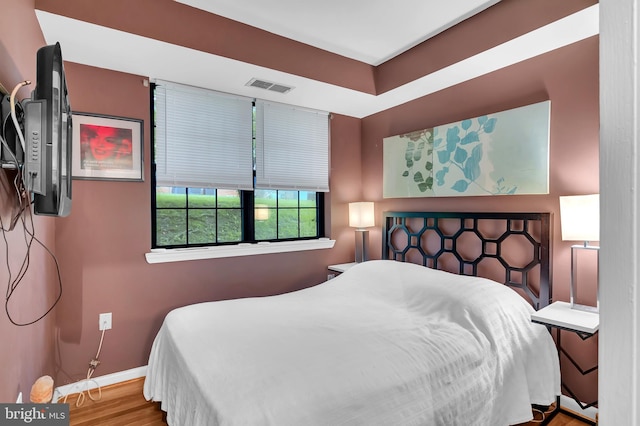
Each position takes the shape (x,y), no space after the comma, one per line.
(245,249)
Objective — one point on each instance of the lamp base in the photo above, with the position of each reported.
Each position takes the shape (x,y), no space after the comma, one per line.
(573,293)
(584,308)
(362,245)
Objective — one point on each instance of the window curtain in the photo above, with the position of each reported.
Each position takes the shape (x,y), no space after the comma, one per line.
(292,148)
(203,138)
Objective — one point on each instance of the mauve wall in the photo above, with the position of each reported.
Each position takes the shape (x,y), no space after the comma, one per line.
(101,245)
(569,78)
(26,353)
(496,25)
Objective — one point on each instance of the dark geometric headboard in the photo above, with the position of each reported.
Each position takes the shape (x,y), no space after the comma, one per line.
(512,248)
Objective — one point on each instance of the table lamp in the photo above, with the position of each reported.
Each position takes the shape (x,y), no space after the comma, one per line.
(261,212)
(361,215)
(580,221)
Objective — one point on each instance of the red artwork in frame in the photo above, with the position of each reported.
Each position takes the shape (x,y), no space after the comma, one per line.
(107,147)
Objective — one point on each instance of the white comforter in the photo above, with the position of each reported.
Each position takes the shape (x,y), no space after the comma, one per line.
(385,343)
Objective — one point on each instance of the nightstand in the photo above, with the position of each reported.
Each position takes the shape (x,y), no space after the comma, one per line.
(335,270)
(559,315)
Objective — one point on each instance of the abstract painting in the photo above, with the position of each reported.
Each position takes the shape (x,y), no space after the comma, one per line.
(504,153)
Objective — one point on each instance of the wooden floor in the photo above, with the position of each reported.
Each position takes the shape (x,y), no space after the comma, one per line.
(123,404)
(120,404)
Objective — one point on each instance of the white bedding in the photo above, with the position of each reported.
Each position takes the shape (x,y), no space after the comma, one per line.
(385,343)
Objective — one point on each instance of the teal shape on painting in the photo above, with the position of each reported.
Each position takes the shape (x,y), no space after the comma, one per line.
(428,165)
(501,189)
(483,119)
(466,124)
(460,155)
(440,174)
(472,165)
(417,177)
(405,173)
(489,125)
(453,138)
(470,137)
(460,186)
(444,156)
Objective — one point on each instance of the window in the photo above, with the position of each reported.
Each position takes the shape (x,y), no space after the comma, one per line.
(229,170)
(285,214)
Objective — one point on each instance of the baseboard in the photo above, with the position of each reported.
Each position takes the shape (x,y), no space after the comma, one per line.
(99,381)
(568,403)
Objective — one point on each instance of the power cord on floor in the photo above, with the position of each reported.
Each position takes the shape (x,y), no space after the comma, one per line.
(93,364)
(543,414)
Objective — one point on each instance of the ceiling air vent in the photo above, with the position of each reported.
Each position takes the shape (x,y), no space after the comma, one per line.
(267,85)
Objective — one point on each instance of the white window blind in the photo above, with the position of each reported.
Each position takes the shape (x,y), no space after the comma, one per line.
(203,138)
(292,148)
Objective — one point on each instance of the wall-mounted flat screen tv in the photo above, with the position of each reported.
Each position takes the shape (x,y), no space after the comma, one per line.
(48,132)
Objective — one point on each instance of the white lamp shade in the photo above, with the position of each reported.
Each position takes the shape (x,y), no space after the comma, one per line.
(361,214)
(580,217)
(261,212)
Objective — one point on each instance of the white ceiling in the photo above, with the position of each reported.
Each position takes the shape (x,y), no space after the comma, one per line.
(367,30)
(370,31)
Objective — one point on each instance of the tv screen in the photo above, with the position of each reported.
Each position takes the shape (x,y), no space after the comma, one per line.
(47,128)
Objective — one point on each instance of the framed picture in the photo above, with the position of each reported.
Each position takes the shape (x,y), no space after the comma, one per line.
(107,147)
(503,153)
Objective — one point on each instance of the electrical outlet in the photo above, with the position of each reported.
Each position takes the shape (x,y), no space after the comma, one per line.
(104,322)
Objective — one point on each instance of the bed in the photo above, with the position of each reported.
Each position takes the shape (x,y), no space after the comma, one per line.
(396,341)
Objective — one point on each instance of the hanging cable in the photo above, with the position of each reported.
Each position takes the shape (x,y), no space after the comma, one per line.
(13,110)
(13,284)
